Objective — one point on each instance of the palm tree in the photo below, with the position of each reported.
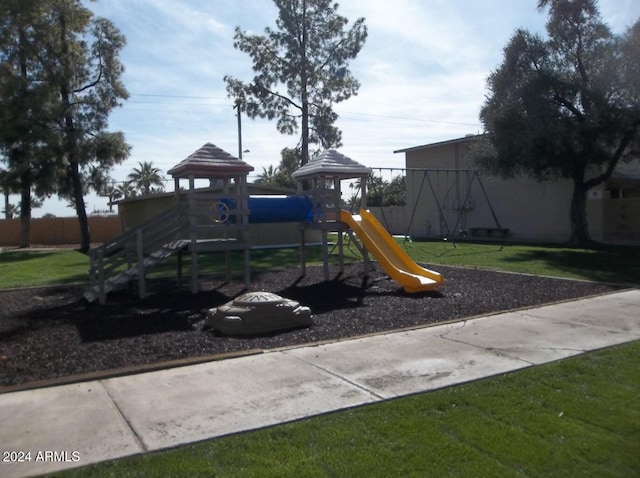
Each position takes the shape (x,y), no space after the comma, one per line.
(99,179)
(113,193)
(126,189)
(9,186)
(146,175)
(10,210)
(268,177)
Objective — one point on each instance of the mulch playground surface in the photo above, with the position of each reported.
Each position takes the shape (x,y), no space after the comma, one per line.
(49,333)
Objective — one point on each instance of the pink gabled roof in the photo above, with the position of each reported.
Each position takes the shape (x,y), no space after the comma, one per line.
(210,162)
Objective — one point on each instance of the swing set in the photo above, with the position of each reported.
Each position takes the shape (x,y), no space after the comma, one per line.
(450,191)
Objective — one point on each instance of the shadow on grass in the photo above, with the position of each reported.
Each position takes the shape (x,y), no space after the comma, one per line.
(23,256)
(451,248)
(619,265)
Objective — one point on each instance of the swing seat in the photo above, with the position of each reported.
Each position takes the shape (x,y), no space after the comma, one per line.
(489,232)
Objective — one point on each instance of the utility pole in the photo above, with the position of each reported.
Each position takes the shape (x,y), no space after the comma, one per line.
(237,106)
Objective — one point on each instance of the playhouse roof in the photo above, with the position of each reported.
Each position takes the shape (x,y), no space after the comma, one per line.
(331,163)
(210,162)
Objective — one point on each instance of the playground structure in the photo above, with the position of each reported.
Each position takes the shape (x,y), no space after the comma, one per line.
(219,222)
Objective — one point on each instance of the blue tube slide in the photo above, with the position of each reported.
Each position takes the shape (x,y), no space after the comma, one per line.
(277,209)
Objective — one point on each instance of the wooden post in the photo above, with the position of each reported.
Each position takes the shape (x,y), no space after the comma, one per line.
(303,258)
(323,222)
(179,268)
(365,253)
(363,192)
(129,253)
(325,253)
(92,267)
(245,235)
(337,197)
(247,268)
(102,295)
(341,250)
(140,247)
(193,236)
(176,189)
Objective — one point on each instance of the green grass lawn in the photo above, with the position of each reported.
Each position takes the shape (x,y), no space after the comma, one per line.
(615,264)
(575,417)
(25,268)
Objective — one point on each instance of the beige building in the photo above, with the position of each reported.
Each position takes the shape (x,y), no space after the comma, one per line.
(446,197)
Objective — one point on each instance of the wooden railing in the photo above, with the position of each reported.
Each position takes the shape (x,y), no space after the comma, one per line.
(129,250)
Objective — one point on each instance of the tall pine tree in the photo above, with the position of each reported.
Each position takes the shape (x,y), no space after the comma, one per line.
(301,70)
(59,81)
(84,67)
(27,106)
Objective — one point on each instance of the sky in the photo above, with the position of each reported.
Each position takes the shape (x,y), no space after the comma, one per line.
(422,72)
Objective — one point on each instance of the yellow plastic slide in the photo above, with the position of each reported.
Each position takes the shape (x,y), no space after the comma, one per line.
(389,254)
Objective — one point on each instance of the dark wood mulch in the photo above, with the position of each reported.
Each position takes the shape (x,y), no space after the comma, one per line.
(53,332)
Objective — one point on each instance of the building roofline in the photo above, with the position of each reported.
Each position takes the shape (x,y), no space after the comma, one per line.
(464,139)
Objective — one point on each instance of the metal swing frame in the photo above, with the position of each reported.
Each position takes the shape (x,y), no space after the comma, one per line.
(442,216)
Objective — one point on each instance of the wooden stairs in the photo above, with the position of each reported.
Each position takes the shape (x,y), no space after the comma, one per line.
(123,278)
(136,251)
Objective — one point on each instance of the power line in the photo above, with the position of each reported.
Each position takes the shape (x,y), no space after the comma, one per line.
(407,118)
(226,103)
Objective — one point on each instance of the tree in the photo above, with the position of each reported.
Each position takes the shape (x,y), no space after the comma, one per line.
(146,175)
(26,108)
(290,161)
(567,106)
(83,65)
(380,193)
(375,190)
(9,186)
(127,190)
(268,176)
(112,193)
(281,176)
(301,71)
(395,192)
(11,210)
(60,79)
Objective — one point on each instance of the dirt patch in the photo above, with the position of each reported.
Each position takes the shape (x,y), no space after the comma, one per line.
(53,332)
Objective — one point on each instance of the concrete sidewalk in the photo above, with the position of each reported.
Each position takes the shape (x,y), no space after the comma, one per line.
(75,425)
